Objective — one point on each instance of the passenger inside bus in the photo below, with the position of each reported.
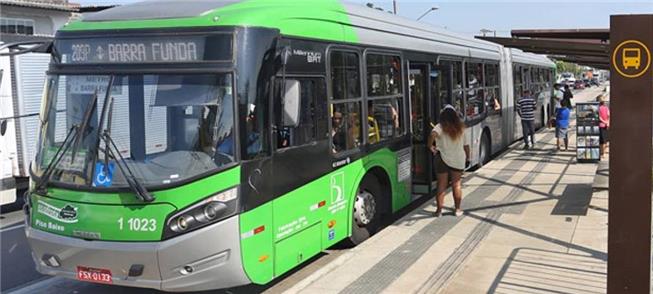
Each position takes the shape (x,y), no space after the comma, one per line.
(338,133)
(345,127)
(385,116)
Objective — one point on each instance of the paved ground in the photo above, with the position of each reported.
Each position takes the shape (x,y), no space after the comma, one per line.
(531,225)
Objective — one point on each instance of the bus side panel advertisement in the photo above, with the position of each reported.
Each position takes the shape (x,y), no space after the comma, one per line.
(313,217)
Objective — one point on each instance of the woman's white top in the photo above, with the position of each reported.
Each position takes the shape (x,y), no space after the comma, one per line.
(452,151)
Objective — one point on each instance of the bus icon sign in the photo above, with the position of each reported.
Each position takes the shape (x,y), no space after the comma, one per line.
(631,58)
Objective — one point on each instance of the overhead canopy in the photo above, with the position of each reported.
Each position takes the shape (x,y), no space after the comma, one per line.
(590,47)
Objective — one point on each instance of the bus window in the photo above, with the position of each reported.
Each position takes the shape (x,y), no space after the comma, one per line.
(312,119)
(457,68)
(517,81)
(475,104)
(345,126)
(492,98)
(383,75)
(345,116)
(457,91)
(474,75)
(491,75)
(345,75)
(385,93)
(384,119)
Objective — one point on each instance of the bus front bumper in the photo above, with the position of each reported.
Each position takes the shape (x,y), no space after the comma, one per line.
(212,252)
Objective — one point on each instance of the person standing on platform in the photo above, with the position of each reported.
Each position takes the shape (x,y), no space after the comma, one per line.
(604,125)
(526,110)
(567,96)
(558,95)
(562,124)
(450,146)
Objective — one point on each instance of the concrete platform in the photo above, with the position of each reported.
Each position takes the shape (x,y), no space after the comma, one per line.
(533,224)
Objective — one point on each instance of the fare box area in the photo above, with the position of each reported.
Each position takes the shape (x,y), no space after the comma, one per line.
(631,128)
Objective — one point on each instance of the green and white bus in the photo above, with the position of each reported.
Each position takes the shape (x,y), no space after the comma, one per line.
(193,145)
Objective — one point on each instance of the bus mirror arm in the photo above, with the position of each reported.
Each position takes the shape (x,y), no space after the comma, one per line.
(253,179)
(285,55)
(18,48)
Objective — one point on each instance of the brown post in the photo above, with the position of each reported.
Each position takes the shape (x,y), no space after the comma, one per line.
(631,128)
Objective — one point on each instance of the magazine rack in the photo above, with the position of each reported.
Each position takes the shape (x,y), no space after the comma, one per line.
(587,132)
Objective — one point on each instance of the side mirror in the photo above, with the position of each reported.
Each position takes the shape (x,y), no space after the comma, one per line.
(291,103)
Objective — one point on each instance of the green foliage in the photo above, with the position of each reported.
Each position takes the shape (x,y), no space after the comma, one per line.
(562,66)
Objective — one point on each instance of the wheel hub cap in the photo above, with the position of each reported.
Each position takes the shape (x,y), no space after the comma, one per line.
(364,208)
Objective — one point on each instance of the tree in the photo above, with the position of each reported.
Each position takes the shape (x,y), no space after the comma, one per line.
(562,66)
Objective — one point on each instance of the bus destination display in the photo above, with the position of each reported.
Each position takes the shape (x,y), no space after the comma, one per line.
(138,50)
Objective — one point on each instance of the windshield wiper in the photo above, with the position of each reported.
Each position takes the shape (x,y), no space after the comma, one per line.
(137,186)
(75,134)
(45,177)
(86,119)
(105,135)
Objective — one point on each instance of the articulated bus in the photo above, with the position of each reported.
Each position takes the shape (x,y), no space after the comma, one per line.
(196,145)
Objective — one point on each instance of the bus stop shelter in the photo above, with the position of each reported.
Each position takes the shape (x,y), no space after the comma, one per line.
(590,47)
(624,49)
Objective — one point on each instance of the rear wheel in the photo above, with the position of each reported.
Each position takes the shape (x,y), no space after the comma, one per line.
(366,216)
(484,151)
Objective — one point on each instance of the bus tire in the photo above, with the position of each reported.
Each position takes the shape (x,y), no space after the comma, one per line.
(367,211)
(484,150)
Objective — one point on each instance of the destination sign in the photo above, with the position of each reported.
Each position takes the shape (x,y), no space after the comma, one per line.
(173,49)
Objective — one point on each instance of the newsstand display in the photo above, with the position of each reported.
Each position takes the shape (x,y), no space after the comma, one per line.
(587,132)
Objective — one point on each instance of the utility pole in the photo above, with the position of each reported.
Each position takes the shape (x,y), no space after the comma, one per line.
(434,8)
(394,6)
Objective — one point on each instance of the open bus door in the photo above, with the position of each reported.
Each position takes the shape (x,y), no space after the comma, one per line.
(430,89)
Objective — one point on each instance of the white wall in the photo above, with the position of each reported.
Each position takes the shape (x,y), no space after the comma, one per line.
(46,21)
(8,164)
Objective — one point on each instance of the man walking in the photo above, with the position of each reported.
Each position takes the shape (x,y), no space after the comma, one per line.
(526,109)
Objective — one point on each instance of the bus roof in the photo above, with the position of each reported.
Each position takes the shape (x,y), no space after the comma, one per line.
(530,58)
(331,20)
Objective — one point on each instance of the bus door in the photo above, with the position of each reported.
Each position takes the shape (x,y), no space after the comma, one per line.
(418,82)
(426,90)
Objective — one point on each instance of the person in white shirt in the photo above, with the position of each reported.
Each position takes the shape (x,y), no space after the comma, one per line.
(450,146)
(558,95)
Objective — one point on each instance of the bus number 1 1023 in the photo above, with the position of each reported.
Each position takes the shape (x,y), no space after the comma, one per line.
(138,224)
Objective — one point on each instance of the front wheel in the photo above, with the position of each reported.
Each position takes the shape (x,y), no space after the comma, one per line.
(366,215)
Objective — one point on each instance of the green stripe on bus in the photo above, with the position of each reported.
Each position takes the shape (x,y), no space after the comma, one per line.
(323,19)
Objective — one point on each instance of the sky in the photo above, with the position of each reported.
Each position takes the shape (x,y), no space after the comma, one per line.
(469,17)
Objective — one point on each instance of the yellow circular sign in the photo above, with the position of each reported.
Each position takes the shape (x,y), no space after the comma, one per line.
(631,58)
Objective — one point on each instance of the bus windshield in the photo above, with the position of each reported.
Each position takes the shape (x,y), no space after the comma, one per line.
(166,128)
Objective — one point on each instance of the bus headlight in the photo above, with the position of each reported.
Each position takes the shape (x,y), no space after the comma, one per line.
(202,213)
(213,210)
(181,224)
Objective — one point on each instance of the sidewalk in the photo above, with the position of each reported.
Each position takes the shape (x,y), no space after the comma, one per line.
(532,224)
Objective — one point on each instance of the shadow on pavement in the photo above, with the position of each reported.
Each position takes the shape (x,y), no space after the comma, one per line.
(530,270)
